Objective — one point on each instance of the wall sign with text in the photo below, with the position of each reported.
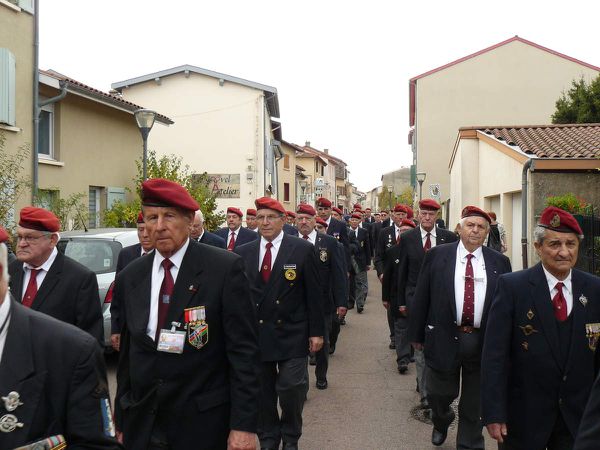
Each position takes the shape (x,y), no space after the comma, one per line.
(224,185)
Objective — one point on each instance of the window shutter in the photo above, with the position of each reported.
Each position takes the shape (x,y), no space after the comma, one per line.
(26,5)
(114,194)
(7,87)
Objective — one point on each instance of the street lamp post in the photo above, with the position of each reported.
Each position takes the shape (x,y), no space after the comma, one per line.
(145,120)
(421,178)
(390,189)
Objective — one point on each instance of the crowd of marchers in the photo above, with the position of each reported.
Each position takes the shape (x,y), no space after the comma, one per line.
(216,331)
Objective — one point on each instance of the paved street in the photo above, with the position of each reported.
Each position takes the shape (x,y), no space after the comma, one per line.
(368,404)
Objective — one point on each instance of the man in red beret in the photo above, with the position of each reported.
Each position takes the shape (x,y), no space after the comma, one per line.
(251,220)
(447,319)
(187,375)
(539,357)
(321,225)
(289,306)
(234,234)
(46,280)
(415,243)
(335,227)
(127,255)
(52,377)
(337,213)
(360,253)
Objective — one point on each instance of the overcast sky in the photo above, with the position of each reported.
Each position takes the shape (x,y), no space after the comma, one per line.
(341,68)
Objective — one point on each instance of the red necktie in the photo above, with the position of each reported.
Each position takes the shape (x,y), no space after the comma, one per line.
(397,237)
(164,296)
(468,312)
(305,236)
(560,304)
(231,242)
(32,288)
(427,245)
(265,267)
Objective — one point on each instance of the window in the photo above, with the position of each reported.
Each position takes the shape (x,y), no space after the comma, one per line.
(94,207)
(46,144)
(317,166)
(286,192)
(286,161)
(7,87)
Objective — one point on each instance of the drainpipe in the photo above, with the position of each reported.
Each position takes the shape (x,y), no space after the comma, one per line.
(524,193)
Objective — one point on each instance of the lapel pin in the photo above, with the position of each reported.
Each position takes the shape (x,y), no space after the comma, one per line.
(583,299)
(192,288)
(9,423)
(530,314)
(12,401)
(525,346)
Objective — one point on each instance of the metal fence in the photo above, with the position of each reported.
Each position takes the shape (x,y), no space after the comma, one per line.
(589,252)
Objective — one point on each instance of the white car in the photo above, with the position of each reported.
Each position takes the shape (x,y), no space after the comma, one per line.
(98,249)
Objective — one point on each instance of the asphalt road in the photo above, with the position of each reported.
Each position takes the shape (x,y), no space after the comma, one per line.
(368,405)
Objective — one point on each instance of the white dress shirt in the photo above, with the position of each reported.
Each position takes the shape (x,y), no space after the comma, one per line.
(459,282)
(158,274)
(263,249)
(4,316)
(44,268)
(355,231)
(432,236)
(235,233)
(200,237)
(312,238)
(567,288)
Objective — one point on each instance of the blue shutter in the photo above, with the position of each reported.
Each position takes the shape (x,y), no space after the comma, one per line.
(7,87)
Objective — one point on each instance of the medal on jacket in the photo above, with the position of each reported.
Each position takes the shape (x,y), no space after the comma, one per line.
(197,328)
(9,423)
(323,255)
(12,401)
(592,332)
(290,272)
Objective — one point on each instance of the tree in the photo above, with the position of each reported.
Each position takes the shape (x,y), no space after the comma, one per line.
(405,198)
(71,211)
(581,104)
(169,167)
(12,183)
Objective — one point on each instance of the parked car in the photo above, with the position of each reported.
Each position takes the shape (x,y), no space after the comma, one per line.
(98,250)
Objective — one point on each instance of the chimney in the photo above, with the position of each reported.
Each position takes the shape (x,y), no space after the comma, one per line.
(326,150)
(307,144)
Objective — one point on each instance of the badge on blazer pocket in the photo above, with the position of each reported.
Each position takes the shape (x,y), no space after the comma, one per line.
(290,272)
(323,255)
(197,328)
(592,332)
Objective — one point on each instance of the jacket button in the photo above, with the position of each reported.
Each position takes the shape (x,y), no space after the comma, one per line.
(565,378)
(260,321)
(257,305)
(277,302)
(153,411)
(278,321)
(560,402)
(456,338)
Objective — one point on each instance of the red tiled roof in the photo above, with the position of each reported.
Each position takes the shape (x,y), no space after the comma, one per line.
(550,141)
(110,98)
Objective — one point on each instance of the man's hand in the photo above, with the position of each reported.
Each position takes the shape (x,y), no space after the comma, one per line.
(497,431)
(418,346)
(115,341)
(380,278)
(119,437)
(386,305)
(241,440)
(315,343)
(341,311)
(403,311)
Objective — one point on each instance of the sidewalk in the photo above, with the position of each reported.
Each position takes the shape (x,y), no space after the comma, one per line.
(368,403)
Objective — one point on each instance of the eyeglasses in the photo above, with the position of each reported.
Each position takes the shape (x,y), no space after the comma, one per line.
(30,239)
(269,218)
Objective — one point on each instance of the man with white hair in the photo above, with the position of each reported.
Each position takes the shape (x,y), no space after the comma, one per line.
(45,388)
(199,234)
(447,321)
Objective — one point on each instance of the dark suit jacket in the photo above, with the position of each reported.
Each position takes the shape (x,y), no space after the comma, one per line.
(289,229)
(243,237)
(588,435)
(209,238)
(411,256)
(59,373)
(126,255)
(386,240)
(289,307)
(432,317)
(360,248)
(199,395)
(69,293)
(332,272)
(338,230)
(523,382)
(389,284)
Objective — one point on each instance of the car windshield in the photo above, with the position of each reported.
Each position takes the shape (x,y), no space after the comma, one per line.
(99,256)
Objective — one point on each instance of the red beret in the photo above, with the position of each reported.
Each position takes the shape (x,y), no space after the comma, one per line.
(250,212)
(556,219)
(140,218)
(400,208)
(338,210)
(429,204)
(38,219)
(236,211)
(368,209)
(306,209)
(357,206)
(321,222)
(409,212)
(323,202)
(167,193)
(407,223)
(3,235)
(470,211)
(269,203)
(356,215)
(290,214)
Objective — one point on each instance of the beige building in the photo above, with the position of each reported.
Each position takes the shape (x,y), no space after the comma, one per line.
(89,142)
(287,170)
(515,81)
(223,127)
(16,81)
(312,165)
(487,166)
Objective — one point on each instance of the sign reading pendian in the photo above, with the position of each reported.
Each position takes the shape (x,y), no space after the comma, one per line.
(224,185)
